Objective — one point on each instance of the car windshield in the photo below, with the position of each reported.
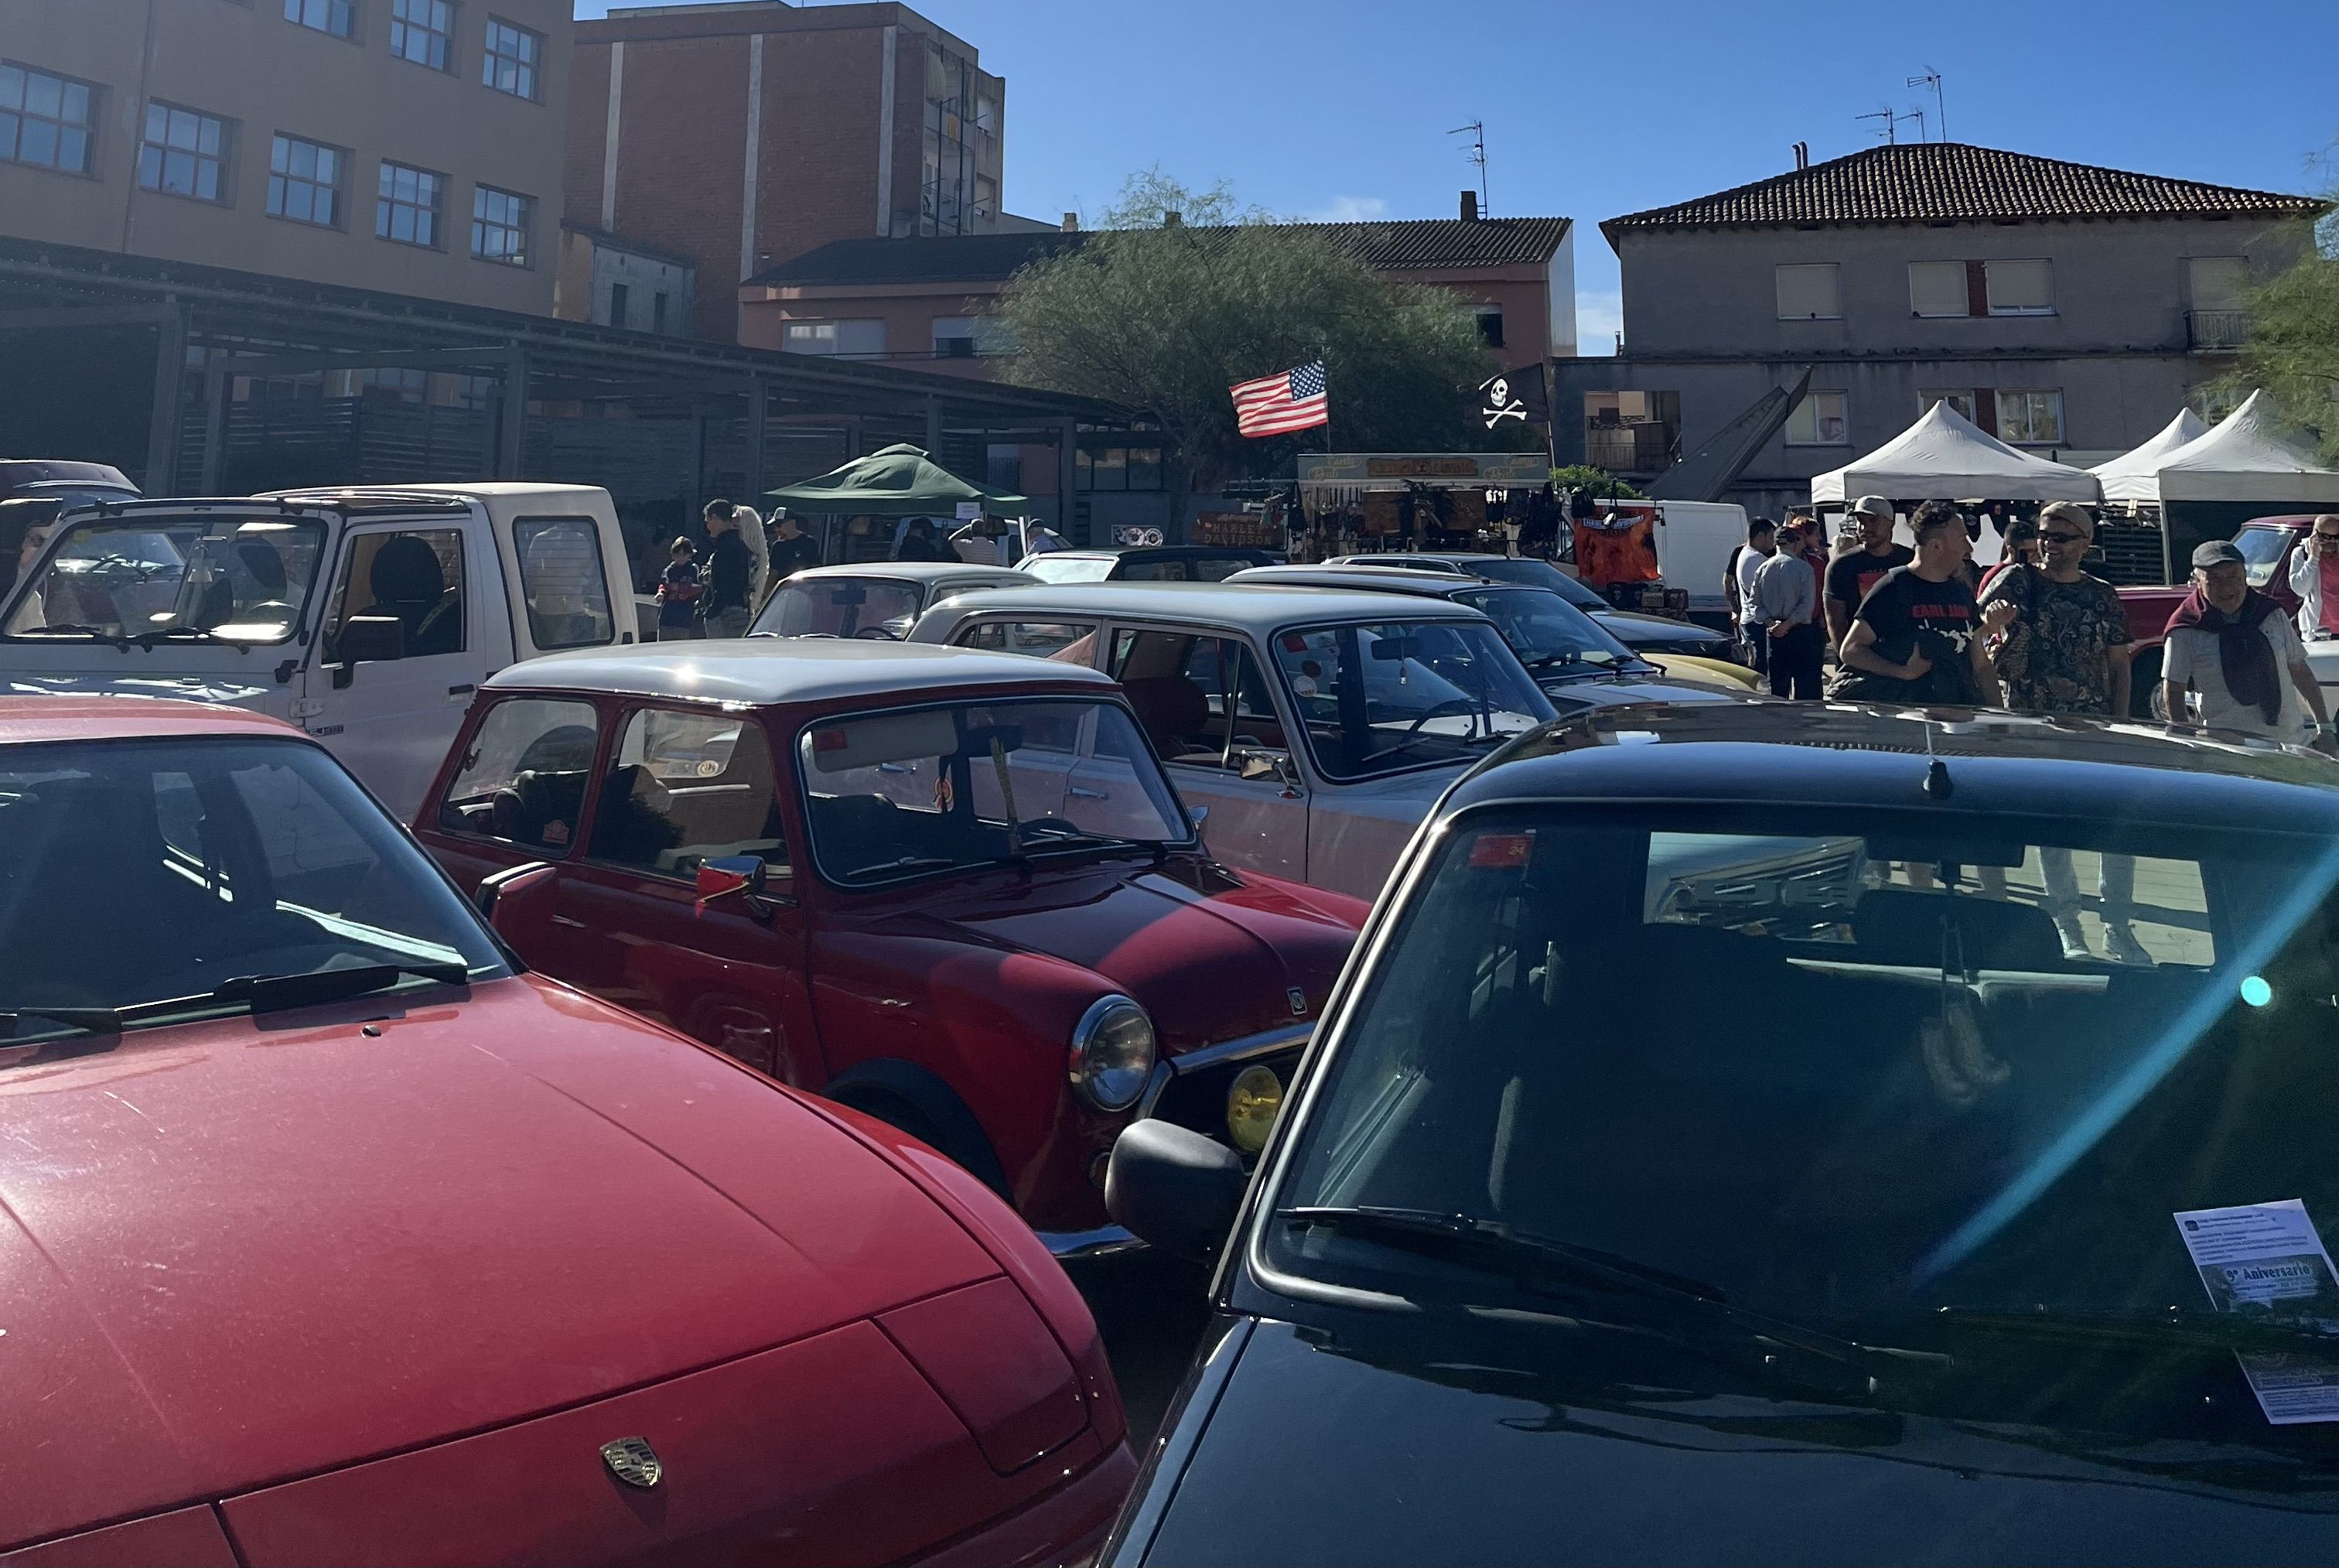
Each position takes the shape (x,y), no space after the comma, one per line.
(137,871)
(1383,697)
(1055,566)
(1530,572)
(2262,549)
(877,609)
(155,576)
(1551,637)
(915,791)
(1923,1084)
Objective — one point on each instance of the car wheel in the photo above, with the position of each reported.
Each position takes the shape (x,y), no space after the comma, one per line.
(2146,698)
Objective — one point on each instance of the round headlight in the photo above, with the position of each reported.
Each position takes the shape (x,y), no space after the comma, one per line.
(1251,1108)
(1112,1053)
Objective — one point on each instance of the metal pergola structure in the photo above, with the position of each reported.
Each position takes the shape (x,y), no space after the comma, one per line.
(248,325)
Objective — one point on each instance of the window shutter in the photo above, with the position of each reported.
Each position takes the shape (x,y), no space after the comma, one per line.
(1938,289)
(2219,282)
(2019,288)
(1807,292)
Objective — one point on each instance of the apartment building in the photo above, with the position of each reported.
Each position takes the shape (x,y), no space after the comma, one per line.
(408,146)
(933,303)
(2068,309)
(739,132)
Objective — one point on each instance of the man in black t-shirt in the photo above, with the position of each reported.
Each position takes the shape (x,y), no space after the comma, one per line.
(1916,636)
(792,551)
(1850,575)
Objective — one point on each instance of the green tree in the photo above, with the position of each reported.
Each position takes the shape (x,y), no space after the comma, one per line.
(2293,347)
(1599,481)
(1162,317)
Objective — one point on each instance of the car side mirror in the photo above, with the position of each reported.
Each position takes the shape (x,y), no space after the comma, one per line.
(365,640)
(1276,766)
(1174,1188)
(724,876)
(517,902)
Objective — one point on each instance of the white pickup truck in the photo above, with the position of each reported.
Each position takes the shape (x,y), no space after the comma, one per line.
(366,616)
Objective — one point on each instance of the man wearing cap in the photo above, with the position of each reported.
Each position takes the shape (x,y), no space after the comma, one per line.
(1850,575)
(2315,578)
(1785,596)
(2235,661)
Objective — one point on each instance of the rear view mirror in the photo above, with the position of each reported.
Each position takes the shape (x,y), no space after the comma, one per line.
(367,640)
(849,594)
(1395,650)
(1174,1188)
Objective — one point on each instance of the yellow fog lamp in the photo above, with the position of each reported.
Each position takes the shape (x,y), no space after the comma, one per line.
(1252,1107)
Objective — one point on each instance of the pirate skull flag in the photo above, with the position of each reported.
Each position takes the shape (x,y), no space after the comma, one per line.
(1513,398)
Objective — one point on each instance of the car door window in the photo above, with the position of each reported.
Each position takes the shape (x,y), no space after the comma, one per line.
(414,577)
(522,777)
(685,787)
(1218,568)
(1066,642)
(1168,571)
(1201,699)
(564,581)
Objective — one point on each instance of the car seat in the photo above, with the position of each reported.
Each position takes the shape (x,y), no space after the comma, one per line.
(409,583)
(1176,714)
(634,824)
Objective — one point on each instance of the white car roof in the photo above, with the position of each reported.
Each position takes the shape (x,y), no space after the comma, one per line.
(466,490)
(1255,608)
(919,572)
(765,670)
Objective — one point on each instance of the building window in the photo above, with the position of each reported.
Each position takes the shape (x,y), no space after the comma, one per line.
(184,153)
(2030,418)
(1490,325)
(1962,401)
(499,224)
(409,205)
(1117,468)
(969,337)
(1807,292)
(337,17)
(657,312)
(1938,289)
(423,31)
(513,55)
(304,182)
(2019,288)
(1819,421)
(619,299)
(858,339)
(45,121)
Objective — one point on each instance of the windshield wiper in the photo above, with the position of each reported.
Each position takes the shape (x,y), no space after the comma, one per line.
(1525,1256)
(2174,1327)
(191,634)
(280,993)
(74,629)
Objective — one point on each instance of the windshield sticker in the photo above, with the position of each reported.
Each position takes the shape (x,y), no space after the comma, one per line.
(2266,1260)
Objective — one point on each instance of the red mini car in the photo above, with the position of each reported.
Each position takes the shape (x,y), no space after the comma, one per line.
(950,888)
(331,1236)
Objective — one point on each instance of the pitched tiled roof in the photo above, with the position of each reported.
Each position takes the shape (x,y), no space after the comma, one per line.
(1414,244)
(1923,182)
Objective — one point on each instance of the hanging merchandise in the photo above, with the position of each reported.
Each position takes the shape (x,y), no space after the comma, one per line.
(1619,548)
(1382,514)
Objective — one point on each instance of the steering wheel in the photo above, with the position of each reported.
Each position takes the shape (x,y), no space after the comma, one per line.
(875,634)
(1439,710)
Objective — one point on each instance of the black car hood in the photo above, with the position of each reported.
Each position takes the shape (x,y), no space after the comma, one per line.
(1638,629)
(1313,1454)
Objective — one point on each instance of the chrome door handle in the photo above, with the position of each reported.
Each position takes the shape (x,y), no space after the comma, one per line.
(1077,792)
(572,925)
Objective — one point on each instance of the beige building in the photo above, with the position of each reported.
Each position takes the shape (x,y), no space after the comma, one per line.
(410,147)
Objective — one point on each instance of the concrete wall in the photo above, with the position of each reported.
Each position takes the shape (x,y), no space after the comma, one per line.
(246,64)
(2118,285)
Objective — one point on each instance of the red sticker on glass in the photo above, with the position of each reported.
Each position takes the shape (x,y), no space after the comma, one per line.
(1502,851)
(1293,643)
(833,740)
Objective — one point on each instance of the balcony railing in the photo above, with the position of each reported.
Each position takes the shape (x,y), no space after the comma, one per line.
(1638,449)
(2216,329)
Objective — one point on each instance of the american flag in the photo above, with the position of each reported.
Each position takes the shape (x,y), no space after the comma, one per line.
(1285,401)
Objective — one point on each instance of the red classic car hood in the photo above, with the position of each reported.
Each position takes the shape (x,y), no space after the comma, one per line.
(1211,956)
(235,1252)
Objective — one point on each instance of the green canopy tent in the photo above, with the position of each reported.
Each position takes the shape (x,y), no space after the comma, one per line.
(895,482)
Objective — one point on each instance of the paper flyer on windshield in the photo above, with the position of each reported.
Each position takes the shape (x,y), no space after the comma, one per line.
(2266,1260)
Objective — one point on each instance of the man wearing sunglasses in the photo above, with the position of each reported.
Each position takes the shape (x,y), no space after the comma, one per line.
(2315,578)
(2065,650)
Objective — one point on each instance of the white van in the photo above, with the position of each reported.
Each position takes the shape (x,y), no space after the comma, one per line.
(1693,540)
(366,616)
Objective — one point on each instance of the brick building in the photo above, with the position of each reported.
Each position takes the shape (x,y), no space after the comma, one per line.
(931,302)
(739,132)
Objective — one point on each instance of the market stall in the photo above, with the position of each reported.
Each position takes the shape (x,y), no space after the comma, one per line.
(1353,502)
(1944,457)
(2249,465)
(2145,459)
(859,503)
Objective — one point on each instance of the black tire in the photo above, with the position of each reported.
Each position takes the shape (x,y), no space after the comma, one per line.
(900,1114)
(2146,700)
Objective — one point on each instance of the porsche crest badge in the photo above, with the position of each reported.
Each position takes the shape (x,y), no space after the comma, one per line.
(634,1462)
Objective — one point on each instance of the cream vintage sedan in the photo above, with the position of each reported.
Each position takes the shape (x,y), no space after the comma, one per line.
(1316,727)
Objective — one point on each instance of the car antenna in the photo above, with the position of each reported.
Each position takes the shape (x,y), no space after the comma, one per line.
(1938,783)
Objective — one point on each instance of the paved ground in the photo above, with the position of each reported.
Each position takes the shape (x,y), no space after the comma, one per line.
(1151,1312)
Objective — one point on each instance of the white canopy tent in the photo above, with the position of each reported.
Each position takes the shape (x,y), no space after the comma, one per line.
(1943,456)
(2187,426)
(2248,458)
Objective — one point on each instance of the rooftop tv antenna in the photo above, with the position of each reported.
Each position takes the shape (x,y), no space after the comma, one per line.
(1892,124)
(1476,153)
(1932,78)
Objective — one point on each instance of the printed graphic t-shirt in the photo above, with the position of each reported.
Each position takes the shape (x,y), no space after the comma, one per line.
(1909,613)
(1849,577)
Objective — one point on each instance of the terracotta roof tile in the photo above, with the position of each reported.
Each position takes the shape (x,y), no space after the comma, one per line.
(1936,180)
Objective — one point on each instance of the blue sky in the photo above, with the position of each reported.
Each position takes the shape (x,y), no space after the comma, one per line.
(1330,110)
